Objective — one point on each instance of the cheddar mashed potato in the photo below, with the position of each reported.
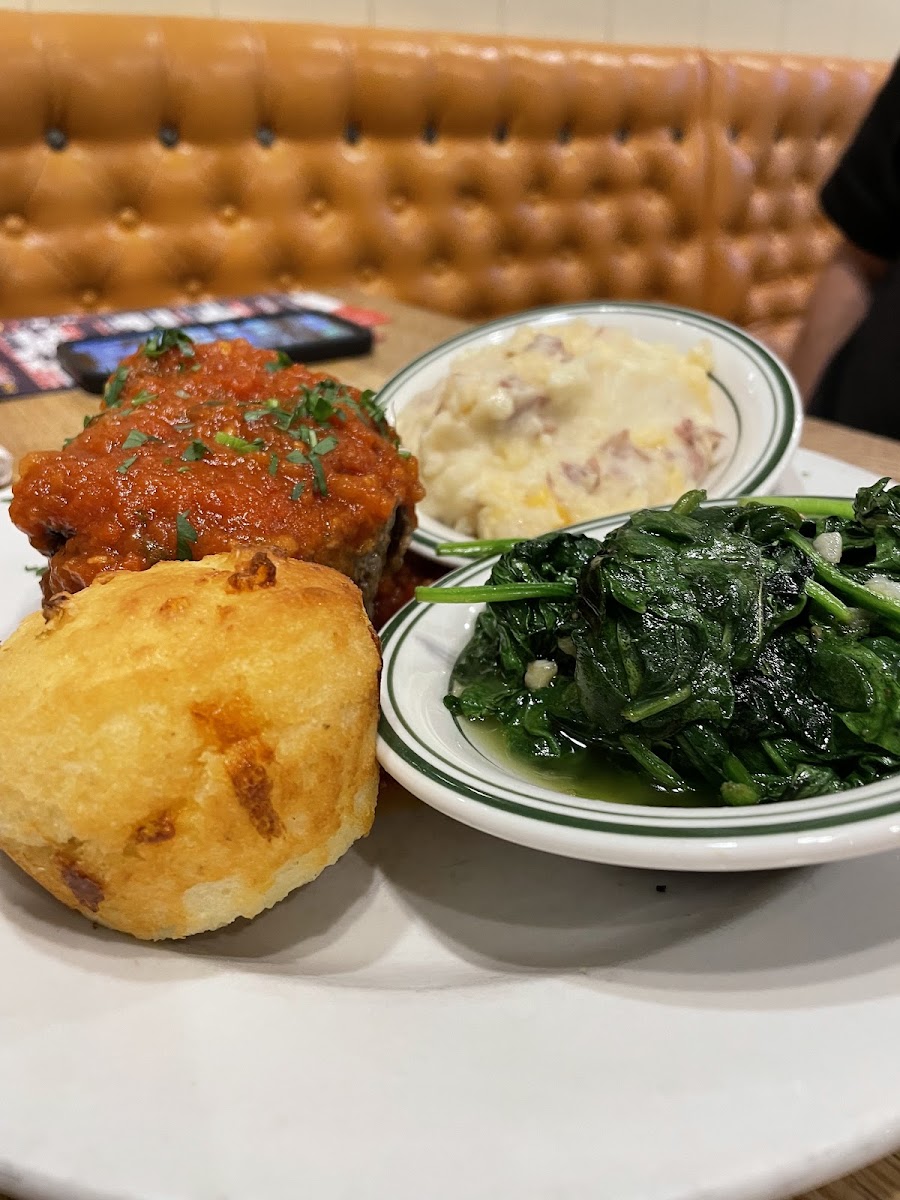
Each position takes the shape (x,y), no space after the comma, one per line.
(553,427)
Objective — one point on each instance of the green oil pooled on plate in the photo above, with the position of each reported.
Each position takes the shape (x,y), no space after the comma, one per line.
(584,772)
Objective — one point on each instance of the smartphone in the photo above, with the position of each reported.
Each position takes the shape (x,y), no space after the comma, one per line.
(305,336)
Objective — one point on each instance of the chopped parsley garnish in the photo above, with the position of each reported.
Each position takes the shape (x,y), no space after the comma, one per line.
(282,419)
(6,499)
(142,397)
(126,463)
(39,571)
(257,414)
(238,444)
(273,464)
(318,470)
(161,340)
(112,393)
(312,404)
(368,407)
(372,407)
(194,451)
(319,403)
(298,489)
(185,537)
(280,361)
(307,434)
(405,453)
(137,438)
(313,458)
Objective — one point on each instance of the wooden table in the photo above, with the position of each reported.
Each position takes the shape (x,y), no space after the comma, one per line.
(41,422)
(44,421)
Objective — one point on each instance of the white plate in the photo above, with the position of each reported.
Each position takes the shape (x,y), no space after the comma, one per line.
(757,406)
(440,759)
(445,1015)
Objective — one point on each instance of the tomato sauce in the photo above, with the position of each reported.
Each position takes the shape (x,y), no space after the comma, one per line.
(201,448)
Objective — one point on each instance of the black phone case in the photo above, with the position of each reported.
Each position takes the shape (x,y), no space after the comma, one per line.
(356,341)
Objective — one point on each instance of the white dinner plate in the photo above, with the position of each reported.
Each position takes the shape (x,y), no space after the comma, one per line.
(756,404)
(444,1015)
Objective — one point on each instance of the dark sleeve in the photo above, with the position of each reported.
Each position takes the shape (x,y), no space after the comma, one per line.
(862,197)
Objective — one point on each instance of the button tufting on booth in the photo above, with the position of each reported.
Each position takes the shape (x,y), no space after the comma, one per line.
(147,160)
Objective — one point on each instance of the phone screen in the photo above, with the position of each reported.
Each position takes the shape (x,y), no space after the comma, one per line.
(268,333)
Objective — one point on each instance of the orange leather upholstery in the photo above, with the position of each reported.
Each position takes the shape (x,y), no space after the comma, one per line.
(149,160)
(777,127)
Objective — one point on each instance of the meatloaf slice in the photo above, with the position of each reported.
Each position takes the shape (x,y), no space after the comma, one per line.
(198,449)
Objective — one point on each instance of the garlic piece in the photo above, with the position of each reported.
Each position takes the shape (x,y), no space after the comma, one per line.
(880,585)
(830,545)
(540,672)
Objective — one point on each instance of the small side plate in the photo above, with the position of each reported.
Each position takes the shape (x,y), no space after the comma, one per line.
(433,755)
(757,405)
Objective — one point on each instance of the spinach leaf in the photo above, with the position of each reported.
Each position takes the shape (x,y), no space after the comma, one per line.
(703,646)
(488,678)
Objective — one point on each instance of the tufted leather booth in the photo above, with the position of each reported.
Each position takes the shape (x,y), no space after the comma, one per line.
(777,126)
(148,160)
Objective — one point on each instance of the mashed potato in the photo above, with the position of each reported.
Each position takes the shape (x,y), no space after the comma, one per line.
(553,427)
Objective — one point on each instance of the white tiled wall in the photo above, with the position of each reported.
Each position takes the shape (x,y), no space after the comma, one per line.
(863,28)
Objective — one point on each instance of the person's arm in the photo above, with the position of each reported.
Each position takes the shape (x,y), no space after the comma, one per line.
(838,303)
(862,200)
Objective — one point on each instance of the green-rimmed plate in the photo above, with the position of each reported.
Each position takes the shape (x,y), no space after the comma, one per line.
(757,406)
(443,761)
